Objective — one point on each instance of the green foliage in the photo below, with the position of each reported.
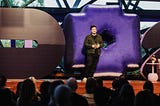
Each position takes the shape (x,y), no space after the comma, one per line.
(21,3)
(6,43)
(34,44)
(19,43)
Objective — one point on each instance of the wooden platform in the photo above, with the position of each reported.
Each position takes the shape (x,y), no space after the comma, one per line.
(137,85)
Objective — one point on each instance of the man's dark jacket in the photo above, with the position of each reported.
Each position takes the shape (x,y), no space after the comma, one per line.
(89,41)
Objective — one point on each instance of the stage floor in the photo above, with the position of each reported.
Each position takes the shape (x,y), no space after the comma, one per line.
(137,85)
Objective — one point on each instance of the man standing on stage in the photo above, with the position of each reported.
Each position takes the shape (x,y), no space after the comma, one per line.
(92,43)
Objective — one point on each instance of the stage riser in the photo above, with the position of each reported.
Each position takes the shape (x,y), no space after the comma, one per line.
(137,85)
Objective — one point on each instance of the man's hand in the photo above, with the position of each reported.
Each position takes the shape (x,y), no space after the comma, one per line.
(97,45)
(94,46)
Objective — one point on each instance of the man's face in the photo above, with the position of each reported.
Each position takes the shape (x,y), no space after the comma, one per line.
(94,30)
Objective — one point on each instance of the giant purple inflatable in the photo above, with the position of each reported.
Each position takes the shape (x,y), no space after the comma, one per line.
(124,28)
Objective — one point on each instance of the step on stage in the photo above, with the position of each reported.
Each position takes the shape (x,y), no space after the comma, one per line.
(137,85)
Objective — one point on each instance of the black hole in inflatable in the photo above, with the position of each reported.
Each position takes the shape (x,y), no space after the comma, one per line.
(108,37)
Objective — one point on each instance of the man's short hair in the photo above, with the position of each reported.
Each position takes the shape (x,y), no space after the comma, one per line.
(90,85)
(92,26)
(149,86)
(3,80)
(72,83)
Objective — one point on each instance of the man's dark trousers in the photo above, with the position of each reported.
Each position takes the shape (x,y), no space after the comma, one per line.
(91,63)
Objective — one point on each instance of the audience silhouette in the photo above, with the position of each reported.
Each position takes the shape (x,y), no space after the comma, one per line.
(63,93)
